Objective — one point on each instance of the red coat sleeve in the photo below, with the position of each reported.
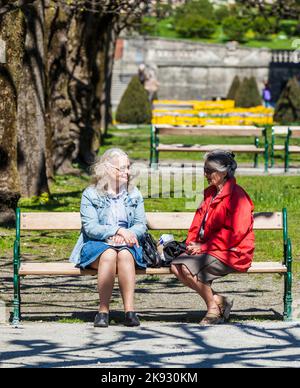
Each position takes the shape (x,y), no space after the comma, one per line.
(237,223)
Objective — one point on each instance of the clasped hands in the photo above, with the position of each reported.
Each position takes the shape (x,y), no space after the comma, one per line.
(125,236)
(193,248)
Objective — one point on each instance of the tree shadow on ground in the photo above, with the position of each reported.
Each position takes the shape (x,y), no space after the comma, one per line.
(183,346)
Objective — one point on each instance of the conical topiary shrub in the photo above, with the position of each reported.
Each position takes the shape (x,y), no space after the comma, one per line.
(134,107)
(288,106)
(248,95)
(241,94)
(254,96)
(236,83)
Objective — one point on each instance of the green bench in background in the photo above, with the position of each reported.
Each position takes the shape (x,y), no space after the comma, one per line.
(288,133)
(222,130)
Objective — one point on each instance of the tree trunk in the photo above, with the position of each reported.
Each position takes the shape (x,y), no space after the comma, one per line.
(84,63)
(11,27)
(107,68)
(32,106)
(65,133)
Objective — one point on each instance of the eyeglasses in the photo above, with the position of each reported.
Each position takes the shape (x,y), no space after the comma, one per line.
(121,169)
(209,171)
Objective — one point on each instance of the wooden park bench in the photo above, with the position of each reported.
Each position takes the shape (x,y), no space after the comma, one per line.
(156,221)
(225,131)
(288,133)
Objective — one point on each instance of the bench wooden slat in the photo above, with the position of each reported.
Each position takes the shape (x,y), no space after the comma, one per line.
(68,269)
(207,148)
(156,221)
(294,149)
(283,130)
(211,131)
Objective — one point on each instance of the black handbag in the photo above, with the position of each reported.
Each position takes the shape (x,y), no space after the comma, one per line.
(172,250)
(150,252)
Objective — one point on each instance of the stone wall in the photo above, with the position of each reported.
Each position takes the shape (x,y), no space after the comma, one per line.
(188,70)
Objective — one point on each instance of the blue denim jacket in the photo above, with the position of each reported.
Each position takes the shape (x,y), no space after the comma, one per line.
(94,214)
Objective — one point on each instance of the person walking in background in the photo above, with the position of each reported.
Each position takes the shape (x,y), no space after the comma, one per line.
(266,95)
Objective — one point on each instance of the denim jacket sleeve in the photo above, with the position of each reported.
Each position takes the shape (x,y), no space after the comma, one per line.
(90,221)
(139,226)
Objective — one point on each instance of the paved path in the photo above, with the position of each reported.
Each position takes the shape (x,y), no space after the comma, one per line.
(154,344)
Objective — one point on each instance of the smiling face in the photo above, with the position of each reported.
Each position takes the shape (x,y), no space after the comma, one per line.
(119,171)
(214,177)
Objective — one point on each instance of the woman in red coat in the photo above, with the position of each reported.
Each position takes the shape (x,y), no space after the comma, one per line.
(221,239)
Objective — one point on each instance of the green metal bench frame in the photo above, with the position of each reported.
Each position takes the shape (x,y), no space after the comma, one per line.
(287,261)
(286,148)
(154,143)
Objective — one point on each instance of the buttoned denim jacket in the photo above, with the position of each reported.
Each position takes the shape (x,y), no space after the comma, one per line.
(94,216)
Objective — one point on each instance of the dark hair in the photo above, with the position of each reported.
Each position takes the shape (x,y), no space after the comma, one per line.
(222,161)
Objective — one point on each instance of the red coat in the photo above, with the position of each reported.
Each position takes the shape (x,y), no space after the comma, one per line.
(228,232)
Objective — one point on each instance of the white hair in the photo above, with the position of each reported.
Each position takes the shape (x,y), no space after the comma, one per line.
(100,175)
(222,161)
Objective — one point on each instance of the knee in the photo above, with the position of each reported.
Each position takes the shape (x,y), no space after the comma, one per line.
(109,256)
(124,256)
(174,269)
(185,272)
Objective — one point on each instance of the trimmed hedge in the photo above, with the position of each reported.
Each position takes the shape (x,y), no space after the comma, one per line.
(134,107)
(288,106)
(248,94)
(236,83)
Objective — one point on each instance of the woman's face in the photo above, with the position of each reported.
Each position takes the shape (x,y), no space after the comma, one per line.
(214,177)
(120,170)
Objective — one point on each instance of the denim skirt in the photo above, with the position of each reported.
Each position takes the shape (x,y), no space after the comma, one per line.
(92,249)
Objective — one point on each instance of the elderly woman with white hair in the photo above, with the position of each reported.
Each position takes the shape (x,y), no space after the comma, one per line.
(113,224)
(221,239)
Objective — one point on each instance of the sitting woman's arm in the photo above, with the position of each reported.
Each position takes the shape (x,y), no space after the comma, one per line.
(139,227)
(238,222)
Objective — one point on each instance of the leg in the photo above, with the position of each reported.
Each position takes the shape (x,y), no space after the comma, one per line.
(176,269)
(106,265)
(126,276)
(204,290)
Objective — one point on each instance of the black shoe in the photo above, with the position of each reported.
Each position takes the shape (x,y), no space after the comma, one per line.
(131,319)
(101,320)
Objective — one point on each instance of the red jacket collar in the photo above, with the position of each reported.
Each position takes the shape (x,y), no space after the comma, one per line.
(227,189)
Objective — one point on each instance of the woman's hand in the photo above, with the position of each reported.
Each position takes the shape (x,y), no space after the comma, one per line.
(194,248)
(129,237)
(118,239)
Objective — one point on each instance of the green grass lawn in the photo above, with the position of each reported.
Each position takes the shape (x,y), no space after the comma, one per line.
(165,29)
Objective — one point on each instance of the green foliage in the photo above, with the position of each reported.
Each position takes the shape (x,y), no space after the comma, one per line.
(288,106)
(248,94)
(236,83)
(235,28)
(221,13)
(262,28)
(195,7)
(195,26)
(147,26)
(254,95)
(289,27)
(134,107)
